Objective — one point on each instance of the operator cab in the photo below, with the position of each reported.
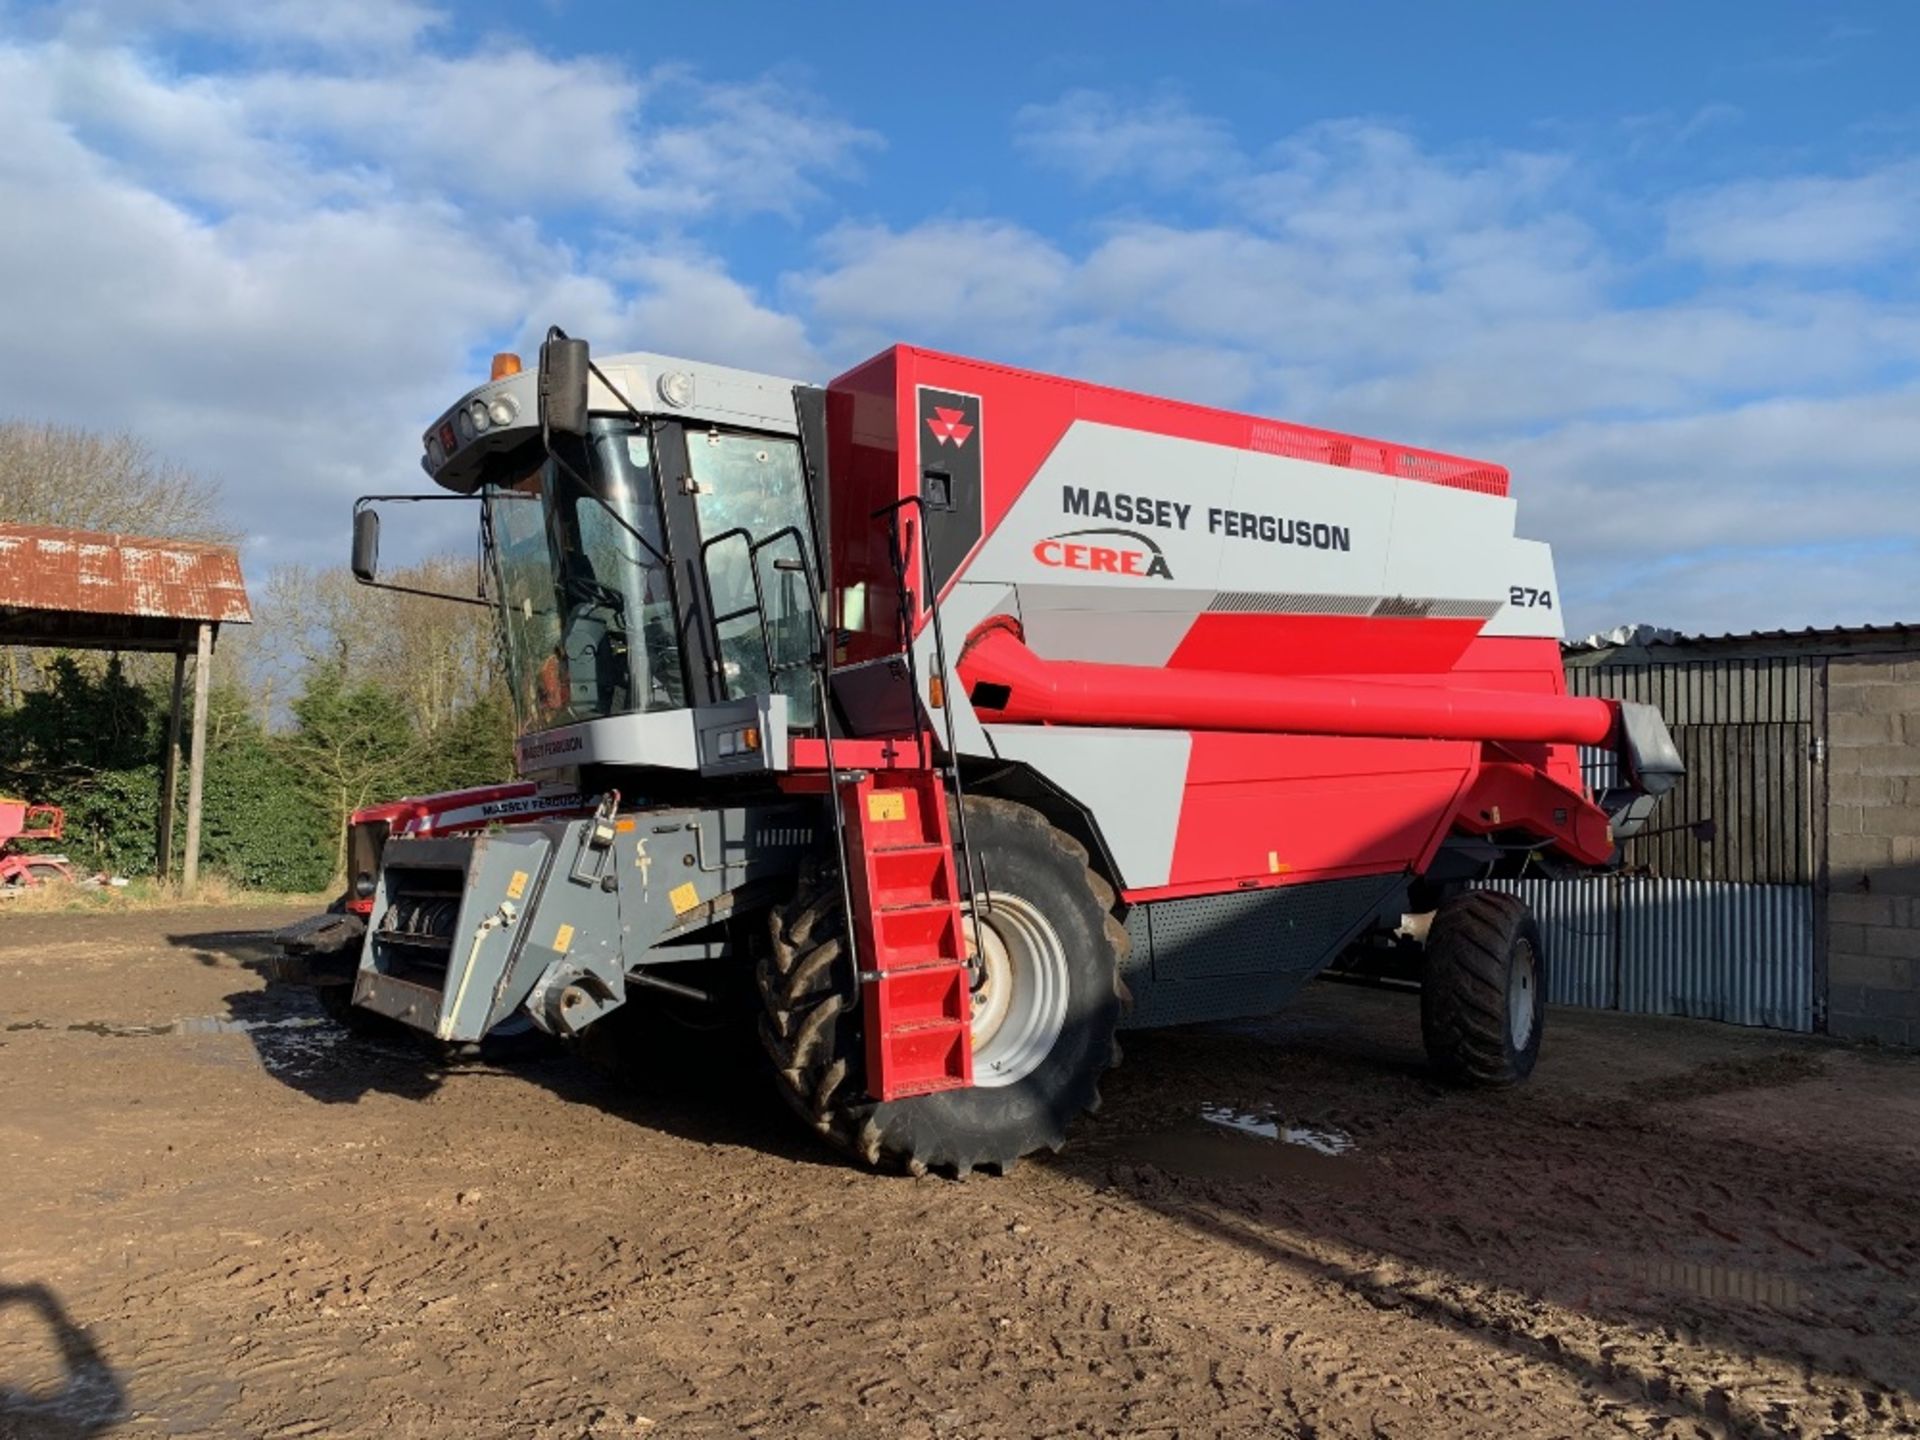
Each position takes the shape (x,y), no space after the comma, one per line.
(648,539)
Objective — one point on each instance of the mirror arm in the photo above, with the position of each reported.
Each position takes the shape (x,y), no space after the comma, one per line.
(366,502)
(429,594)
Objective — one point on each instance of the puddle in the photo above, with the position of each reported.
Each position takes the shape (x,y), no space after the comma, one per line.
(290,1046)
(1323,1141)
(1230,1144)
(1207,1153)
(195,1025)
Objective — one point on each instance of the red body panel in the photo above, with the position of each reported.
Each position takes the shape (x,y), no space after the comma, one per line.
(458,811)
(1321,744)
(872,407)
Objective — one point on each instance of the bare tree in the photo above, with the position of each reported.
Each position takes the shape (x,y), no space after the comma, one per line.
(438,656)
(52,475)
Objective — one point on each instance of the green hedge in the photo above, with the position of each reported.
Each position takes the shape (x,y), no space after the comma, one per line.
(92,741)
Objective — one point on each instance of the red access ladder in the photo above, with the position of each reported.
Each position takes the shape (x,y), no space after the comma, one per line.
(915,985)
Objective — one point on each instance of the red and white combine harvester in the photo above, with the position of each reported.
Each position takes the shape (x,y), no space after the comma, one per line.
(954,717)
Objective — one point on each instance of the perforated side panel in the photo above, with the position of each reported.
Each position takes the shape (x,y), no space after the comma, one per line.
(1388,607)
(1217,957)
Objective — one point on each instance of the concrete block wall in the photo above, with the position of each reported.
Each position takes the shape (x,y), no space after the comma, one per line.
(1873,849)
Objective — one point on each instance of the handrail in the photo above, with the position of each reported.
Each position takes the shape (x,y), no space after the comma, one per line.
(819,663)
(976,883)
(759,605)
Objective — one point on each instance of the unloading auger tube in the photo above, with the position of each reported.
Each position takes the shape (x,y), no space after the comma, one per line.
(1228,701)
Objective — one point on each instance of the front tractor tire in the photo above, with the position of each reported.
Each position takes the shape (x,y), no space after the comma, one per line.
(1043,1017)
(1483,990)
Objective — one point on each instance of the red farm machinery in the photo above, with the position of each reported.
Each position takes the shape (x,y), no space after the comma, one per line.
(21,821)
(953,717)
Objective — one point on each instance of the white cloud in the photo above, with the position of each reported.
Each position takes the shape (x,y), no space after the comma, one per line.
(1806,220)
(1734,591)
(277,273)
(342,25)
(1095,138)
(966,282)
(1785,511)
(677,304)
(747,148)
(510,127)
(1663,432)
(279,270)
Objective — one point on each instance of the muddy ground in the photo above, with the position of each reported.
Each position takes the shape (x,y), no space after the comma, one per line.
(221,1216)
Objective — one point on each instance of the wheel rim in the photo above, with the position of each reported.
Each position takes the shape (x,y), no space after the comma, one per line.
(1523,978)
(1020,1004)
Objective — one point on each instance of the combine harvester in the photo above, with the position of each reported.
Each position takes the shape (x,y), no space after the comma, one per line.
(956,717)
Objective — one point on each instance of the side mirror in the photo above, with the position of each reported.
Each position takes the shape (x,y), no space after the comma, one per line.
(366,545)
(563,385)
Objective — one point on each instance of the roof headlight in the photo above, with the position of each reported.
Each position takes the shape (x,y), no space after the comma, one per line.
(676,388)
(503,410)
(436,453)
(464,422)
(481,419)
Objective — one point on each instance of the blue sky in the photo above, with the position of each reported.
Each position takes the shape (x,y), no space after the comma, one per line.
(1658,259)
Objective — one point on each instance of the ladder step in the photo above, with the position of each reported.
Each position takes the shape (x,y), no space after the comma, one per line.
(924,1027)
(916,990)
(916,907)
(932,1085)
(918,967)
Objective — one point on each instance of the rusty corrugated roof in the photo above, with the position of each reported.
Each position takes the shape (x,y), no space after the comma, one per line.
(91,572)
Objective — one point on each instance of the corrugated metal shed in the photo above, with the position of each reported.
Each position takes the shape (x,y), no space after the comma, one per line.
(1718,952)
(1647,945)
(1655,642)
(87,587)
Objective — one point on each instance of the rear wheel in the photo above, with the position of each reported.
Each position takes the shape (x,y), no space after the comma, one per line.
(1044,1009)
(40,870)
(1483,989)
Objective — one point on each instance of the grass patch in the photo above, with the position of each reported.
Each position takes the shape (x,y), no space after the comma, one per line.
(145,893)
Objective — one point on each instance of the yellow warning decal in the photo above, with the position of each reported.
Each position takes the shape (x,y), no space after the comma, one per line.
(563,939)
(683,898)
(885,806)
(517,886)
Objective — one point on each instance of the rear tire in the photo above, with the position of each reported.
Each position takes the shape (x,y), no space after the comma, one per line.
(1056,925)
(1483,990)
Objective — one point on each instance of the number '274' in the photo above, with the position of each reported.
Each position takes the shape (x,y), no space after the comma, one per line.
(1526,596)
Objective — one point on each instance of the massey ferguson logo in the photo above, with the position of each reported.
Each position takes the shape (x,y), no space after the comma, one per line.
(1137,556)
(947,424)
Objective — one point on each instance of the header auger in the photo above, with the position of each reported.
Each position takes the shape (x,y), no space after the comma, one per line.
(953,717)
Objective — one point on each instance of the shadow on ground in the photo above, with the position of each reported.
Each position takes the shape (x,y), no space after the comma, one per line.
(710,1089)
(87,1399)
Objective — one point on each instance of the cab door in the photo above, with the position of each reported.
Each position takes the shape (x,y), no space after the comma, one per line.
(757,551)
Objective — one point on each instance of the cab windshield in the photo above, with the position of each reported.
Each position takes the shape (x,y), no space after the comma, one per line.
(587,609)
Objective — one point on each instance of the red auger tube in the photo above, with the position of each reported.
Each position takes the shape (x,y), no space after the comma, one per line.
(1078,692)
